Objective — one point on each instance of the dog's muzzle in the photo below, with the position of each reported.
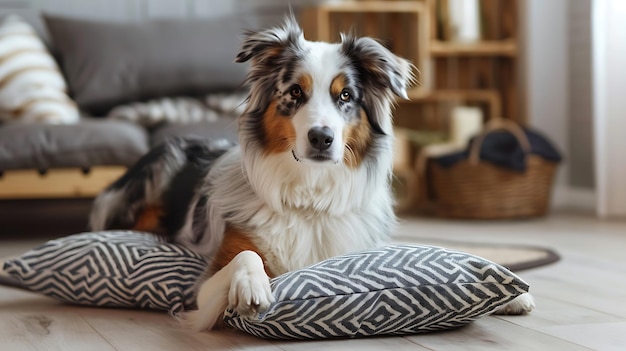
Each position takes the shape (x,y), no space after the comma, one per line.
(321,138)
(320,141)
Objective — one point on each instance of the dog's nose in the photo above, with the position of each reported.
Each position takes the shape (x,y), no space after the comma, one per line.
(321,138)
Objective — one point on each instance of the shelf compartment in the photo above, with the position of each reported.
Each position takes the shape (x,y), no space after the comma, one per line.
(373,6)
(402,26)
(506,48)
(429,110)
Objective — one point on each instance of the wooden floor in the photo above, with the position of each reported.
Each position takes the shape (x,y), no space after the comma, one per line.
(581,302)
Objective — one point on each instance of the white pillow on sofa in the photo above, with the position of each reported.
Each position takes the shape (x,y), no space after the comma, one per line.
(32,88)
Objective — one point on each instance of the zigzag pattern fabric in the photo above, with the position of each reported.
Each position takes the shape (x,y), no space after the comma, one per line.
(394,290)
(112,269)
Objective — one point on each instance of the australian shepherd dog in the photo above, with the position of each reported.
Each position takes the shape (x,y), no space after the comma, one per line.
(309,179)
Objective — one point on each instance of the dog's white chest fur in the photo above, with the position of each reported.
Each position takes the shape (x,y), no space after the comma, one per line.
(295,239)
(300,214)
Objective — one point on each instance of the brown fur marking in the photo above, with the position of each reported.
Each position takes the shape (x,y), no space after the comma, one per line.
(279,132)
(149,220)
(337,85)
(268,55)
(234,242)
(357,136)
(306,83)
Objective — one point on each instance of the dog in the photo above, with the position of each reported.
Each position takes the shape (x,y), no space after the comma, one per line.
(308,180)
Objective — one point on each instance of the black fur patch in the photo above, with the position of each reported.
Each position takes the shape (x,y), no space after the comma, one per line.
(275,54)
(182,190)
(187,161)
(132,184)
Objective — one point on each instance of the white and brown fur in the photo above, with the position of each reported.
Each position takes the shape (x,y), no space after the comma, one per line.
(309,180)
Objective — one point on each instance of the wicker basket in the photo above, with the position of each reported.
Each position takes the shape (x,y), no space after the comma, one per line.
(476,189)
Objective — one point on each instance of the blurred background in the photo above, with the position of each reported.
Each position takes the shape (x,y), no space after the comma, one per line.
(139,71)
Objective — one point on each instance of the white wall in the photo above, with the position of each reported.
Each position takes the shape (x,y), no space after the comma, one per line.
(581,161)
(545,32)
(609,81)
(547,70)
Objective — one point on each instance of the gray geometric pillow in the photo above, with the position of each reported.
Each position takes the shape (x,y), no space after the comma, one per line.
(111,269)
(393,290)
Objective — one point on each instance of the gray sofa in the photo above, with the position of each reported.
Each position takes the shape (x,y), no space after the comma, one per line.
(111,63)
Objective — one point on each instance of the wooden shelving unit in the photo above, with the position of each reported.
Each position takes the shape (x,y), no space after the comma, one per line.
(482,73)
(433,108)
(402,26)
(500,48)
(489,97)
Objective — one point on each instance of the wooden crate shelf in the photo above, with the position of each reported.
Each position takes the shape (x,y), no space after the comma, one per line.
(489,64)
(429,110)
(372,6)
(395,23)
(490,99)
(507,48)
(485,72)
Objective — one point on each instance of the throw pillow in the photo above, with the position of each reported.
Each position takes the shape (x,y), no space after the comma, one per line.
(111,269)
(32,89)
(393,290)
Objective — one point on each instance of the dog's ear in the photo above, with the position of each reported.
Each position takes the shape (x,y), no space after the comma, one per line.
(264,47)
(383,73)
(378,65)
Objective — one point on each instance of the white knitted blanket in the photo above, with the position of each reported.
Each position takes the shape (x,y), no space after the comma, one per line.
(32,88)
(182,109)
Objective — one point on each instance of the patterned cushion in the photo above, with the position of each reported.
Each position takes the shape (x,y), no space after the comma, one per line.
(111,269)
(394,290)
(32,89)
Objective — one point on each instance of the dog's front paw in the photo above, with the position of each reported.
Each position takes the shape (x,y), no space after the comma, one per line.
(250,294)
(522,304)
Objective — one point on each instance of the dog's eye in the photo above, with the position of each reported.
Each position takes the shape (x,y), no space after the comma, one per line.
(345,96)
(296,92)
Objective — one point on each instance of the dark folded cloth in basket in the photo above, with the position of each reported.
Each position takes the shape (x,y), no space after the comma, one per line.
(503,149)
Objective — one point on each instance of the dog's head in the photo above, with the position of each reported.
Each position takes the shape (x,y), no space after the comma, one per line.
(322,103)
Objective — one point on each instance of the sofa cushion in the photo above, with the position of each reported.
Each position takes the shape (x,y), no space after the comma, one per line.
(108,63)
(222,128)
(91,142)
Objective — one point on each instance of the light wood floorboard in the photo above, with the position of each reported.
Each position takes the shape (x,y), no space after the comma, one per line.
(580,299)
